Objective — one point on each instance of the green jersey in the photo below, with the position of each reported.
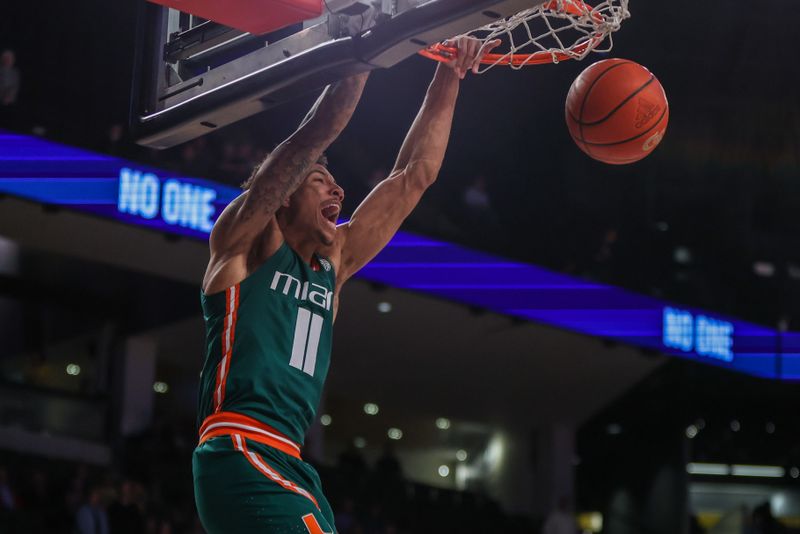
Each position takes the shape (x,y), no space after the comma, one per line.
(268,343)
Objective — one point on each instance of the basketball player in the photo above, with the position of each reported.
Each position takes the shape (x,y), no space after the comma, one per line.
(270,295)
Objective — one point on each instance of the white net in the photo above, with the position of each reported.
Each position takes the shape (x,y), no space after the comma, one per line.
(551,32)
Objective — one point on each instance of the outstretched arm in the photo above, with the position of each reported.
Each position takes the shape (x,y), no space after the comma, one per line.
(246,218)
(380,214)
(286,167)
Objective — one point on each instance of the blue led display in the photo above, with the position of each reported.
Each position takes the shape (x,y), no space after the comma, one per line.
(46,172)
(704,335)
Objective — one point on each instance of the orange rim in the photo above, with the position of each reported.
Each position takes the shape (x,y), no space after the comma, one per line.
(443,53)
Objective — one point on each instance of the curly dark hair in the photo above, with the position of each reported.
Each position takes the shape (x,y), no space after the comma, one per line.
(322,160)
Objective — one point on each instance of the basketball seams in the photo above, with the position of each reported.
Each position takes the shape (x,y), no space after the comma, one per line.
(620,92)
(621,104)
(656,123)
(586,97)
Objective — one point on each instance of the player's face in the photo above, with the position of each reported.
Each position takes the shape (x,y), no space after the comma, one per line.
(318,202)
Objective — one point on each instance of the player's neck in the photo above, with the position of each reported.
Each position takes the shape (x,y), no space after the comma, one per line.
(304,245)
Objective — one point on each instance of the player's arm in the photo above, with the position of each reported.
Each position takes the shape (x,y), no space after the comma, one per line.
(252,212)
(380,215)
(286,167)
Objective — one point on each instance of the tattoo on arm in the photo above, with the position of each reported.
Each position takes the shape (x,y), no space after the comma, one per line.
(286,167)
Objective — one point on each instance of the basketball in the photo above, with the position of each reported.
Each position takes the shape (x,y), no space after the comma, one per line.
(617,111)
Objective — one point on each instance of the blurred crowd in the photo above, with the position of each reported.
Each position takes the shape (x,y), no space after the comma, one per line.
(46,496)
(40,495)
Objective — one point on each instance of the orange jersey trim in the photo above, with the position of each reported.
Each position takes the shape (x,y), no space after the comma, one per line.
(228,334)
(258,462)
(312,525)
(229,423)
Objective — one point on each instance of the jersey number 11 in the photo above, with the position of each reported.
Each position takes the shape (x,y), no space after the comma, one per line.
(307,330)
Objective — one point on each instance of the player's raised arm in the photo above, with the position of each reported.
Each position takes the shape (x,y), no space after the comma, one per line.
(380,215)
(285,168)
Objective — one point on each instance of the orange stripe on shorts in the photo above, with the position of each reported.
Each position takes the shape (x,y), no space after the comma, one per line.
(270,472)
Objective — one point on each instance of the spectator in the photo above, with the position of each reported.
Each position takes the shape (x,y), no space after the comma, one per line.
(8,501)
(76,490)
(388,467)
(352,466)
(92,517)
(124,514)
(9,78)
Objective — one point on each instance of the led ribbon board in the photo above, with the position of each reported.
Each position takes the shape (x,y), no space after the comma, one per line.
(59,175)
(54,174)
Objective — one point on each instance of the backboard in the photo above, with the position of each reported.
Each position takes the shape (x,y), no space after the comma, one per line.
(195,75)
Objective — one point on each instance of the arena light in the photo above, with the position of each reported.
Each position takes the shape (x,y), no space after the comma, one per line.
(160,387)
(762,471)
(699,468)
(590,521)
(359,442)
(682,255)
(764,269)
(736,425)
(73,369)
(461,455)
(444,471)
(325,420)
(794,472)
(371,408)
(691,431)
(395,433)
(384,307)
(443,423)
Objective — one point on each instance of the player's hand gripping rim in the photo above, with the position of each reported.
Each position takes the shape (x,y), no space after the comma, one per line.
(469,51)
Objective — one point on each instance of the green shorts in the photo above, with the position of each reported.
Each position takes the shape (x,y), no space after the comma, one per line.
(242,486)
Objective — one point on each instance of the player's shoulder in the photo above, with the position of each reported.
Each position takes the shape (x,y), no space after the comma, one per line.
(232,263)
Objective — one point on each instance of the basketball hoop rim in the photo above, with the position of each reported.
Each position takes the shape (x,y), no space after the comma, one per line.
(443,53)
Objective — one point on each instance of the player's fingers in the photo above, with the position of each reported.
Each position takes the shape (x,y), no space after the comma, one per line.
(488,46)
(491,45)
(469,53)
(476,60)
(485,49)
(463,56)
(472,48)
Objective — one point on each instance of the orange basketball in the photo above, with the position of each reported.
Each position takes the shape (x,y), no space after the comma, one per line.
(617,111)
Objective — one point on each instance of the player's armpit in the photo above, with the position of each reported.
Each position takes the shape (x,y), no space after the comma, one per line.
(379,217)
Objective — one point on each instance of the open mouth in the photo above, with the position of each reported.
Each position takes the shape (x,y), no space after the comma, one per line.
(330,211)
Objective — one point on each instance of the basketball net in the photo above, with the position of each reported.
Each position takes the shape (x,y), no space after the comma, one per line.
(553,31)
